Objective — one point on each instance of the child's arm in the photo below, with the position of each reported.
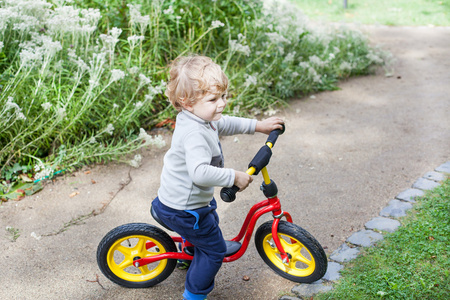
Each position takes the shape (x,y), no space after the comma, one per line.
(242,179)
(267,125)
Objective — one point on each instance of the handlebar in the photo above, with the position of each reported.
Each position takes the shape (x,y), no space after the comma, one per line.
(261,159)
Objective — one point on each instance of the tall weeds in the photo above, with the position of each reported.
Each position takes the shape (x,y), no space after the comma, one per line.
(79,80)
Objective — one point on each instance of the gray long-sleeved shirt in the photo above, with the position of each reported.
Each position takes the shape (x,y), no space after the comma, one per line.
(193,166)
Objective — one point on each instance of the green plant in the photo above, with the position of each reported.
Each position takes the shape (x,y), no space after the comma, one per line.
(392,13)
(411,263)
(81,82)
(12,233)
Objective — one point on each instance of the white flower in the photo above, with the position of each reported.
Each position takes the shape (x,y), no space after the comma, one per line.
(110,40)
(21,116)
(295,74)
(374,58)
(270,112)
(289,57)
(43,174)
(11,105)
(138,105)
(144,80)
(30,57)
(34,235)
(136,161)
(116,75)
(345,66)
(314,75)
(157,141)
(133,70)
(92,140)
(251,80)
(304,65)
(235,46)
(315,60)
(109,129)
(134,39)
(216,24)
(61,112)
(277,38)
(1,46)
(115,32)
(143,134)
(115,106)
(168,11)
(46,105)
(331,56)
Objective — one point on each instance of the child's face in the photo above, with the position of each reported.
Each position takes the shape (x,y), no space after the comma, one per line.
(210,107)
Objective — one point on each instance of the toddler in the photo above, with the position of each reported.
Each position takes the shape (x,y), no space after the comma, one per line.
(194,165)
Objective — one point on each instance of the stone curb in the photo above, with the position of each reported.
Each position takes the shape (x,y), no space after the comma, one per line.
(368,237)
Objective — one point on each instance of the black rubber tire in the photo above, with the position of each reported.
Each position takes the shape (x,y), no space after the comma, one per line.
(112,246)
(297,271)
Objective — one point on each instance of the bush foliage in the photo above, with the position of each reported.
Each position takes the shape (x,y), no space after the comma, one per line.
(82,81)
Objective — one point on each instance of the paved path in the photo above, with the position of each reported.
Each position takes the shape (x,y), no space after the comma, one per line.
(344,156)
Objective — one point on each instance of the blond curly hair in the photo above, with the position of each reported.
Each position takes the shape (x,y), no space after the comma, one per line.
(191,77)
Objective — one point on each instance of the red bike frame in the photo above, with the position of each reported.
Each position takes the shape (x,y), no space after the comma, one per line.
(272,204)
(257,210)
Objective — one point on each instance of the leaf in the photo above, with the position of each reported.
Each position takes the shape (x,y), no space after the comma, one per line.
(36,187)
(166,122)
(15,195)
(19,191)
(74,194)
(25,178)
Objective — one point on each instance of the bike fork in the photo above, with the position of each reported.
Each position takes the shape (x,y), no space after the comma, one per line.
(284,256)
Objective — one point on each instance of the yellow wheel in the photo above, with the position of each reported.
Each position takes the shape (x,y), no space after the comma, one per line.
(127,243)
(307,260)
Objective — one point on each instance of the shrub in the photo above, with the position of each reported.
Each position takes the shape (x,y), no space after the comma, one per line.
(80,81)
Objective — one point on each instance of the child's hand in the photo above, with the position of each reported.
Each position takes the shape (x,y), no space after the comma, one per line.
(242,180)
(267,125)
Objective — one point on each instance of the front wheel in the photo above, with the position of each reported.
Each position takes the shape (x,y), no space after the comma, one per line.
(307,260)
(124,244)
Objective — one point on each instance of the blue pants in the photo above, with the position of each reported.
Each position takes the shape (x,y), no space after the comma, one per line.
(201,228)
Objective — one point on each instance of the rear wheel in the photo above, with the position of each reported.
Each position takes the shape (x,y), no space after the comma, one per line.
(124,244)
(307,260)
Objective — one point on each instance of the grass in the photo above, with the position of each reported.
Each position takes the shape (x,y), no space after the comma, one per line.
(411,263)
(386,12)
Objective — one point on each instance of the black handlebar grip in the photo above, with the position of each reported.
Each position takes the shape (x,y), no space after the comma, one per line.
(229,194)
(273,135)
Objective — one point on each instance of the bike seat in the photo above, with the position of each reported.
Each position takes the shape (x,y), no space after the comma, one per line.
(157,219)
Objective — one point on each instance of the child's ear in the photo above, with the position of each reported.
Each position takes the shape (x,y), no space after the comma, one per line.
(186,105)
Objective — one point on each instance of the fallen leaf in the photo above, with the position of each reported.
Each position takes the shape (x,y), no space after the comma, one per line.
(16,193)
(431,238)
(166,122)
(93,181)
(87,172)
(74,194)
(36,187)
